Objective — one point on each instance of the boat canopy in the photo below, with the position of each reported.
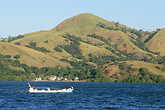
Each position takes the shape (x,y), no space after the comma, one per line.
(42,87)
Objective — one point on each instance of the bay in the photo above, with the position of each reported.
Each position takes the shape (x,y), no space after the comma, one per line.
(86,95)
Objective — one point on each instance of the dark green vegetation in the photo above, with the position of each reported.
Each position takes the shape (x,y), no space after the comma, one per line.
(13,70)
(136,75)
(90,48)
(73,48)
(15,38)
(33,45)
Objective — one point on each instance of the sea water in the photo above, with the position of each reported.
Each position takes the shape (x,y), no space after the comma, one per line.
(86,96)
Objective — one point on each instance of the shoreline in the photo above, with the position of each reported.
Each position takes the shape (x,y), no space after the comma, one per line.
(58,81)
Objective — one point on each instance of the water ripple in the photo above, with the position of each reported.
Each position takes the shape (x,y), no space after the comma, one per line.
(91,96)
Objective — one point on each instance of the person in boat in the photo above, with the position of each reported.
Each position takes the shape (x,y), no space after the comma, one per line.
(29,86)
(48,89)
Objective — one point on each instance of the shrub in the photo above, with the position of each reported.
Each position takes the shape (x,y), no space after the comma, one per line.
(46,41)
(58,49)
(7,56)
(16,63)
(16,56)
(17,43)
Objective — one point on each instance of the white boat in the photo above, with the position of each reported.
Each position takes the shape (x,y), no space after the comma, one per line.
(47,89)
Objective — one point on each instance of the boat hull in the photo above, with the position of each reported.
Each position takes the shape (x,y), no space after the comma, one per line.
(47,89)
(51,91)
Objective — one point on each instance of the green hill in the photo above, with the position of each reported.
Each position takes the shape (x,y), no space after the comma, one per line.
(29,56)
(157,42)
(86,24)
(134,71)
(96,33)
(87,43)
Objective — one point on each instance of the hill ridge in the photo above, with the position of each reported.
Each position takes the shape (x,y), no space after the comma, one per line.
(87,41)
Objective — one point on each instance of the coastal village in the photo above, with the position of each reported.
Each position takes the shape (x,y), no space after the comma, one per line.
(56,78)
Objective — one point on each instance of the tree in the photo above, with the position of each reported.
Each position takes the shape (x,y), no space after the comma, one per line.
(7,56)
(34,69)
(143,71)
(46,41)
(25,67)
(32,76)
(100,24)
(32,44)
(17,43)
(123,66)
(58,49)
(16,56)
(16,63)
(117,24)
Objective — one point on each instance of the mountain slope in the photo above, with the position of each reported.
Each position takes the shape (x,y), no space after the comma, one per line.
(80,22)
(83,26)
(157,42)
(29,56)
(133,71)
(89,43)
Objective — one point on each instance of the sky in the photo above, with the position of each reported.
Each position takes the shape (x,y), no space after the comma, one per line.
(19,17)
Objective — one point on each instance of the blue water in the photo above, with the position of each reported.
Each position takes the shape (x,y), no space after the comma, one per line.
(97,96)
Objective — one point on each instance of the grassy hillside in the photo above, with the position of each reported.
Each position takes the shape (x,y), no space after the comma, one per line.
(157,42)
(85,24)
(134,71)
(108,35)
(95,48)
(153,68)
(29,56)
